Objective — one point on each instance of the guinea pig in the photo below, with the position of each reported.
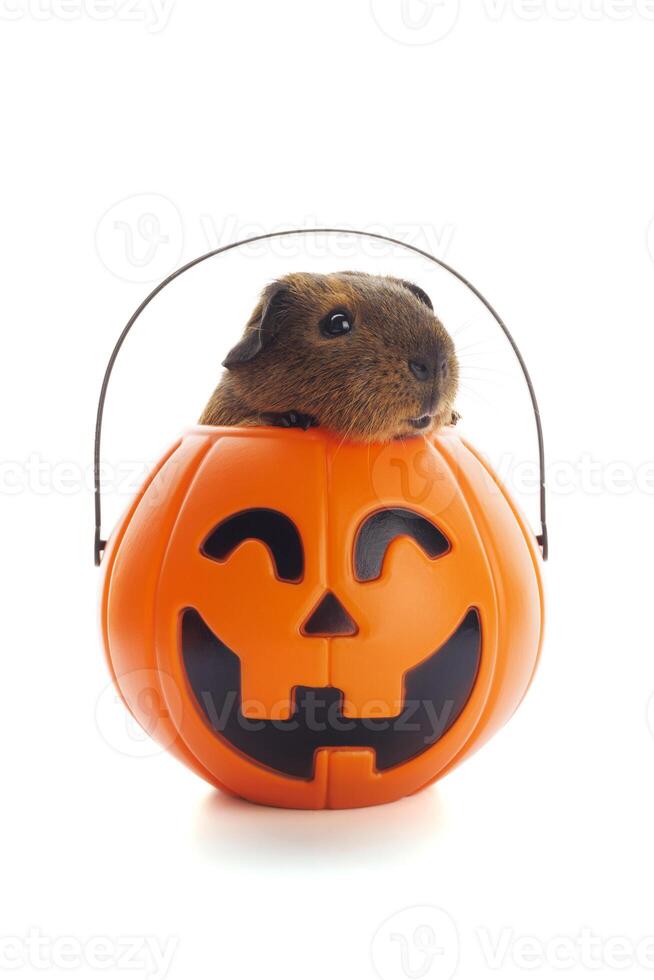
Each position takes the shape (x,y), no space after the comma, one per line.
(362,355)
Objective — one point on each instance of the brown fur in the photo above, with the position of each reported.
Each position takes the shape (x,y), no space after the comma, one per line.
(360,384)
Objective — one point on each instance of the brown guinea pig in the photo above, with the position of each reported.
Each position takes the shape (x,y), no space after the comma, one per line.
(362,355)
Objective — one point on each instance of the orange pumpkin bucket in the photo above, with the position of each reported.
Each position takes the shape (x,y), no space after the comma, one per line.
(322,623)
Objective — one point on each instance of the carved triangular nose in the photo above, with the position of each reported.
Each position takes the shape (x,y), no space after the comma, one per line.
(330,618)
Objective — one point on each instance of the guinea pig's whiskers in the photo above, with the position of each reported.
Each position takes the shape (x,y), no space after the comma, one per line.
(484,379)
(485,367)
(478,346)
(345,436)
(466,325)
(477,395)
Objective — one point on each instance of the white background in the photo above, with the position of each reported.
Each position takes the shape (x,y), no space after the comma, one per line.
(515,140)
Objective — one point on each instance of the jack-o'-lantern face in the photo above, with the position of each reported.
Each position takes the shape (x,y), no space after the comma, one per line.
(435,690)
(335,619)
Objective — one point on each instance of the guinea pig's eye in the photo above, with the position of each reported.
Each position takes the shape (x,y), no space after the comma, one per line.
(336,323)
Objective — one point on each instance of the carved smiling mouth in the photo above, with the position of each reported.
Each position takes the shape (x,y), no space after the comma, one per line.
(436,692)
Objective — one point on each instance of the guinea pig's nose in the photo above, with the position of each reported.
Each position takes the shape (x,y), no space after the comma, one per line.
(421,369)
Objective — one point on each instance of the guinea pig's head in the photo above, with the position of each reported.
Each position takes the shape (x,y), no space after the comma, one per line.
(364,354)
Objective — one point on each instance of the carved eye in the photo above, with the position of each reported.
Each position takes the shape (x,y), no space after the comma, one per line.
(336,323)
(273,528)
(377,531)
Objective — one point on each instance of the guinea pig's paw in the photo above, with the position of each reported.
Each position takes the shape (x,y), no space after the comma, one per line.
(290,420)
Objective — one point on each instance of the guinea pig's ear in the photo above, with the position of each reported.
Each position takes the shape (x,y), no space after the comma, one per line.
(418,293)
(262,326)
